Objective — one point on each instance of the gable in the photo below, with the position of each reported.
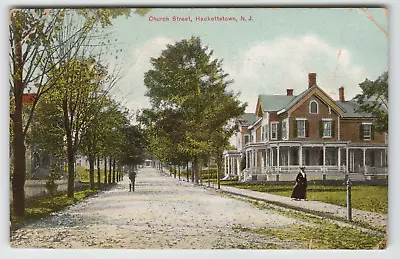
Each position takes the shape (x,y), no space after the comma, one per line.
(316,92)
(259,111)
(303,110)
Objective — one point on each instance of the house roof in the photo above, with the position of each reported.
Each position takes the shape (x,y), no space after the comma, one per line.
(298,98)
(283,103)
(350,108)
(274,102)
(248,119)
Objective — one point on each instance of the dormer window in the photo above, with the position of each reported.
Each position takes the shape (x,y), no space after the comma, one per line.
(313,108)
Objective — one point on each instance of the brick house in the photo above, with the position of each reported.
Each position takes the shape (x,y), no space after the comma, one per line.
(329,138)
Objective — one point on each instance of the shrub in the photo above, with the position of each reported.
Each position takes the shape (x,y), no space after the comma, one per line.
(51,184)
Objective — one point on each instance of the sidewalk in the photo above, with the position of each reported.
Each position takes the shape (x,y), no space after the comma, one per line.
(371,218)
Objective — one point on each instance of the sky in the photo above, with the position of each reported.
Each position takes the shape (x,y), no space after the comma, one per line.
(272,51)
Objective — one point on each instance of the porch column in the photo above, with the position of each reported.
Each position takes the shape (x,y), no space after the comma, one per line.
(256,158)
(339,158)
(382,158)
(288,159)
(364,149)
(225,166)
(347,159)
(247,159)
(323,158)
(251,158)
(238,166)
(277,158)
(262,158)
(300,155)
(272,156)
(229,164)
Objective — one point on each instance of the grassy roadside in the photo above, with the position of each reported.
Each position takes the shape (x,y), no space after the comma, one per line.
(368,198)
(319,233)
(44,206)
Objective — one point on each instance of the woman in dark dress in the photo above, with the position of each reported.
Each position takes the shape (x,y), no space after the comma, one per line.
(299,191)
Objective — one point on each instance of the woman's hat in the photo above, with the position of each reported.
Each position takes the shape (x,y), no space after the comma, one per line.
(302,168)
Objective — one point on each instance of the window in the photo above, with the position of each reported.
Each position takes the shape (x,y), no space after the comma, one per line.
(313,109)
(284,132)
(246,139)
(327,129)
(367,131)
(274,130)
(301,128)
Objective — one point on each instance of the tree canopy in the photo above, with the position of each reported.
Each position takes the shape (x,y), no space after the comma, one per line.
(374,99)
(188,90)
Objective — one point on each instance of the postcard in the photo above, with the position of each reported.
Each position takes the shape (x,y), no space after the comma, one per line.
(199,128)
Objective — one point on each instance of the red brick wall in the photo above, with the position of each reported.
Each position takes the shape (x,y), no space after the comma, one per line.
(313,121)
(350,131)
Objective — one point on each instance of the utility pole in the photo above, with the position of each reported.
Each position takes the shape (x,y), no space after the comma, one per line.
(348,187)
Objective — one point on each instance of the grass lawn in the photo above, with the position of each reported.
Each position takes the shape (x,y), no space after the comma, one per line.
(82,174)
(369,198)
(43,206)
(321,234)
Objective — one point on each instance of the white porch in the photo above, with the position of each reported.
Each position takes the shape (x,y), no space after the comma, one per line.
(232,159)
(335,158)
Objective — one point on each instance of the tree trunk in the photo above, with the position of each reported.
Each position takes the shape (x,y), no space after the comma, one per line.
(113,172)
(19,173)
(98,173)
(117,174)
(179,172)
(105,170)
(201,173)
(193,171)
(91,172)
(196,172)
(187,171)
(175,171)
(110,168)
(218,170)
(208,172)
(71,173)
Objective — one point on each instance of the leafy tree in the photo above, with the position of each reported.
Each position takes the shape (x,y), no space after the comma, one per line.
(188,91)
(34,52)
(374,99)
(74,96)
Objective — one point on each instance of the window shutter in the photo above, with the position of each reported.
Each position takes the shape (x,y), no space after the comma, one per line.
(333,127)
(295,129)
(321,128)
(361,132)
(306,129)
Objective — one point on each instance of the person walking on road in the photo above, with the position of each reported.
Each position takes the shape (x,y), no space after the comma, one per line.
(300,188)
(132,177)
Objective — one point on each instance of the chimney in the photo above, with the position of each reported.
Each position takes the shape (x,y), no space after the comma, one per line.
(312,79)
(289,92)
(341,94)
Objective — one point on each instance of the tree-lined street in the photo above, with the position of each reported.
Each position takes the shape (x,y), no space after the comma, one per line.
(161,213)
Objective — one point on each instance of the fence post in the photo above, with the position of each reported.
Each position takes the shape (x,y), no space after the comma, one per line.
(348,185)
